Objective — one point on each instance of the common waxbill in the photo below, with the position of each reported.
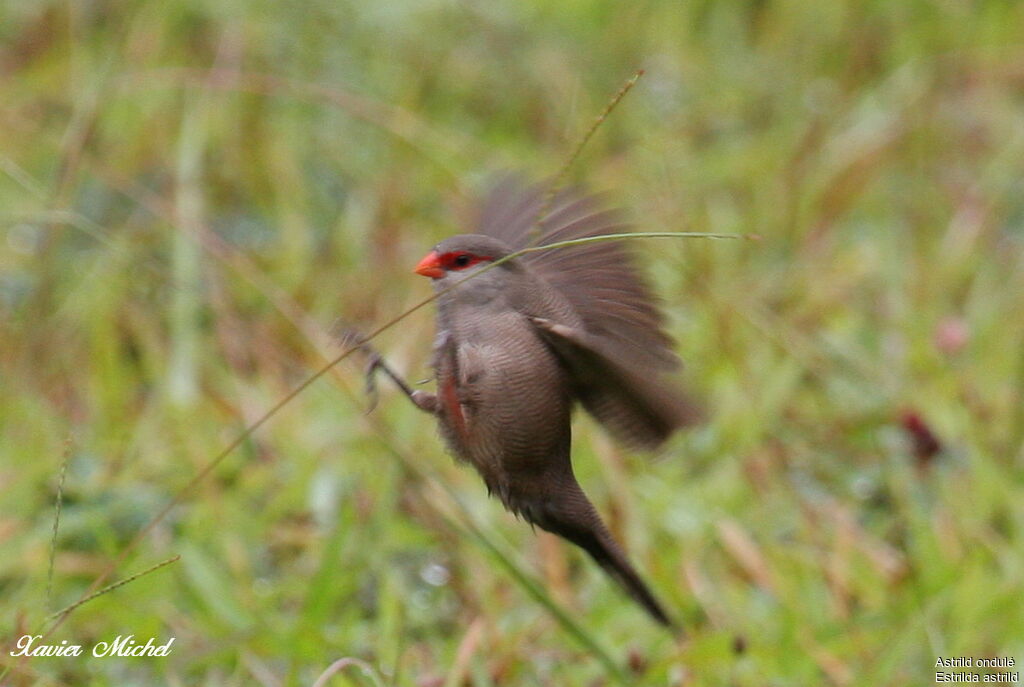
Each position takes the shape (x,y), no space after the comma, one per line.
(518,345)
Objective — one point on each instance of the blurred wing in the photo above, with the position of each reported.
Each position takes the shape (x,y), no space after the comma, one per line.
(631,403)
(600,279)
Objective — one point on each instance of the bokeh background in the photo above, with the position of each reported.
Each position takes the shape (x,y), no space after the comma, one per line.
(192,193)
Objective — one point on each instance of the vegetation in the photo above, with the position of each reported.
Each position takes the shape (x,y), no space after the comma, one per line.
(192,193)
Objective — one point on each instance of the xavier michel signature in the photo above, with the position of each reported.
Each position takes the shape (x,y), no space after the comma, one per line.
(119,646)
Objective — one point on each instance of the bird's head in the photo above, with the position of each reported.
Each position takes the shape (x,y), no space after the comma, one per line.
(459,257)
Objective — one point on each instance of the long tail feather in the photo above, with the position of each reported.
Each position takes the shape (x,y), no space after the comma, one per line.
(572,517)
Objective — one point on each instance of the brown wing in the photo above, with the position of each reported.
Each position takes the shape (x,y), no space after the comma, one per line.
(631,403)
(600,280)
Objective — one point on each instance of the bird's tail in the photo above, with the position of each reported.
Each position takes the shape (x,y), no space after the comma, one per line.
(574,518)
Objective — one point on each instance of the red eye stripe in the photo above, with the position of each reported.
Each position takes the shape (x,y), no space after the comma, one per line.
(460,259)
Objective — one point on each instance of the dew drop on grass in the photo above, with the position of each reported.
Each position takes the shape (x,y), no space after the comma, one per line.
(435,574)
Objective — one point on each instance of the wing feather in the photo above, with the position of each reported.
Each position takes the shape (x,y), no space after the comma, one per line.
(600,280)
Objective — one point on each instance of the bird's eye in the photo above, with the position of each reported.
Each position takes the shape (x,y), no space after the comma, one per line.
(460,260)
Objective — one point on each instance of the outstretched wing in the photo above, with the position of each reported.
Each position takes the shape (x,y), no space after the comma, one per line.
(631,403)
(599,279)
(617,358)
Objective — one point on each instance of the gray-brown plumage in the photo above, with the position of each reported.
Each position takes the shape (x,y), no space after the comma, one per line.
(519,344)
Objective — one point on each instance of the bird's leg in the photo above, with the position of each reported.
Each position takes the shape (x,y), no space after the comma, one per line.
(422,399)
(349,336)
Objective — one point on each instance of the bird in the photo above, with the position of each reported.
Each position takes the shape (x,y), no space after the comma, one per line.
(522,340)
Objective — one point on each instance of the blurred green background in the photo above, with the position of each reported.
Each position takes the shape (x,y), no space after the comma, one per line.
(191,193)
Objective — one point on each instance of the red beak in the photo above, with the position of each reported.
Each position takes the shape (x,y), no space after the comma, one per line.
(430,266)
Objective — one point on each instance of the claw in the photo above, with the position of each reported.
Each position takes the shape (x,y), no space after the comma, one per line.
(374,362)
